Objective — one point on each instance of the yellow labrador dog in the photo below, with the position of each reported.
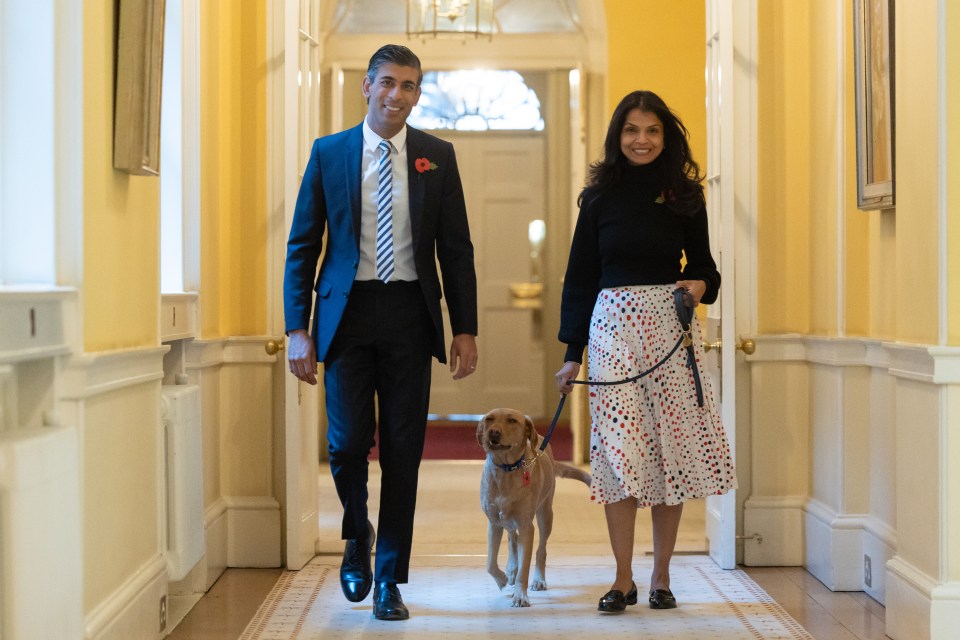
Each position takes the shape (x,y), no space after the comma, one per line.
(516,486)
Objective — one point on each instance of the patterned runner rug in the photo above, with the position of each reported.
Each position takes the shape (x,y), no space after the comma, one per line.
(462,602)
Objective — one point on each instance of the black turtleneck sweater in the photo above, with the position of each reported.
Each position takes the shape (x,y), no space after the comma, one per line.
(628,236)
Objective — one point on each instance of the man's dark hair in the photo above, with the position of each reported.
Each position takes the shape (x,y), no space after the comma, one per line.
(394,54)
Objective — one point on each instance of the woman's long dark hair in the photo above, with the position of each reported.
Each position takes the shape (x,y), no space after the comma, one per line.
(680,173)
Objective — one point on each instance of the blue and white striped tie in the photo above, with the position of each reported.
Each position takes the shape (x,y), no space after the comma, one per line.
(385,215)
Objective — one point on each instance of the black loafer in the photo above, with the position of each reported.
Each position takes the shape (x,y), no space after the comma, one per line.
(614,601)
(356,578)
(387,603)
(662,599)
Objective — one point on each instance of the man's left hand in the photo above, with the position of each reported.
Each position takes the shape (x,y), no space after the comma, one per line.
(463,355)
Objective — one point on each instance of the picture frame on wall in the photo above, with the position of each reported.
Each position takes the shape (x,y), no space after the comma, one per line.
(139,68)
(874,78)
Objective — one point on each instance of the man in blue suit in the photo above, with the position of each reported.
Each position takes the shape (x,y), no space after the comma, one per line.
(389,200)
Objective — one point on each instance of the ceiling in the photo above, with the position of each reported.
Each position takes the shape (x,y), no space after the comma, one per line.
(355,17)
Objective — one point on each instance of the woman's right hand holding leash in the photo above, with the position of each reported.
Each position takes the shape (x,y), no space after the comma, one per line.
(568,372)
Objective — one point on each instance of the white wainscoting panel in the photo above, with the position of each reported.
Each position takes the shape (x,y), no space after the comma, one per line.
(778,520)
(253,531)
(40,534)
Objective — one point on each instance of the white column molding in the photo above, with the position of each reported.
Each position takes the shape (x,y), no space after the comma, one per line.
(913,398)
(241,530)
(92,374)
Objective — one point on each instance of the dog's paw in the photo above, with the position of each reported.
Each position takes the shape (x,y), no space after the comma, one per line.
(538,584)
(500,579)
(519,599)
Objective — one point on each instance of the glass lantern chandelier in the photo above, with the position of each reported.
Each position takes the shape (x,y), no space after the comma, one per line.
(450,18)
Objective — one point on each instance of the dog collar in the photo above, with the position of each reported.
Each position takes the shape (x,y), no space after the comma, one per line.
(513,467)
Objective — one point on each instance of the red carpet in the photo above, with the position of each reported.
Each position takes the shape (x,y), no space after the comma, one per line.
(458,441)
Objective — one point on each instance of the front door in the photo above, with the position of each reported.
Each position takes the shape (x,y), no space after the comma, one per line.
(503,178)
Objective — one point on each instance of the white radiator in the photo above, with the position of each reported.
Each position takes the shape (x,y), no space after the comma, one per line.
(41,583)
(184,453)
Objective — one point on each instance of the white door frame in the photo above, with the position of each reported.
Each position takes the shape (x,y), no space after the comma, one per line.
(290,120)
(731,183)
(744,225)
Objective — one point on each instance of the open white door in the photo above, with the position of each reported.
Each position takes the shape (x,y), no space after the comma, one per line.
(302,483)
(291,107)
(731,136)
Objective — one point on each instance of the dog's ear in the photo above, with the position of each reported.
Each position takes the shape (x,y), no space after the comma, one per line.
(531,433)
(480,425)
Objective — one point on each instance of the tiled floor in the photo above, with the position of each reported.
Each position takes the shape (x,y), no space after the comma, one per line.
(450,523)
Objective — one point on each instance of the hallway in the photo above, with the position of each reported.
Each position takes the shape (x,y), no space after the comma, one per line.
(451,532)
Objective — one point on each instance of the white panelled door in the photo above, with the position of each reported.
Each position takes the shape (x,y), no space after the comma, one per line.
(293,114)
(721,511)
(503,178)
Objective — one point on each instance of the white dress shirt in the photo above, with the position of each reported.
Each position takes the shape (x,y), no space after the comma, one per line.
(404,268)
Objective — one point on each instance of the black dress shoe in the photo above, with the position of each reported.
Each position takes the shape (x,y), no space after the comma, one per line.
(614,601)
(356,578)
(662,599)
(387,603)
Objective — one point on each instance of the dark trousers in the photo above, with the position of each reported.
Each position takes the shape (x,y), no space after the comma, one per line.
(382,349)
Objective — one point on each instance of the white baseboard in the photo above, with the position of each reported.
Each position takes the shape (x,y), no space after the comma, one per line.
(834,547)
(779,521)
(133,610)
(908,602)
(215,524)
(945,611)
(880,545)
(253,531)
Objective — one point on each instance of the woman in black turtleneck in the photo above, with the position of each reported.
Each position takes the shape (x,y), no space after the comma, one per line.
(651,444)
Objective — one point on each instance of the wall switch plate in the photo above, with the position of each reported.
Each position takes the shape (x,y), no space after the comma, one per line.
(163,613)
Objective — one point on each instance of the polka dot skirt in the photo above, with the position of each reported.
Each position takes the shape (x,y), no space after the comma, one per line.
(649,439)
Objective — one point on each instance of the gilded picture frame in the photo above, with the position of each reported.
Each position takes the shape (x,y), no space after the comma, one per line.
(139,68)
(874,78)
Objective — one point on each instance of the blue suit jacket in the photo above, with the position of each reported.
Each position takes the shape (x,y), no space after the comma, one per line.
(329,205)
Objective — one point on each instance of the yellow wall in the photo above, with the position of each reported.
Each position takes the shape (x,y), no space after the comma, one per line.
(233,187)
(917,186)
(783,172)
(661,47)
(819,121)
(847,271)
(120,212)
(953,172)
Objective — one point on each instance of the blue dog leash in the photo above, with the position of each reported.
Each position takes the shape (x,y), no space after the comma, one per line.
(684,307)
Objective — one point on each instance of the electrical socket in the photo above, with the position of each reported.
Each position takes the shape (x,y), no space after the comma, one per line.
(163,613)
(867,571)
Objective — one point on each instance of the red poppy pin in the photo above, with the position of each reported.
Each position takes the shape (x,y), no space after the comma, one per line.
(423,164)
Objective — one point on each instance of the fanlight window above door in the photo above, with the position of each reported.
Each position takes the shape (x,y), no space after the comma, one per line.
(475,100)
